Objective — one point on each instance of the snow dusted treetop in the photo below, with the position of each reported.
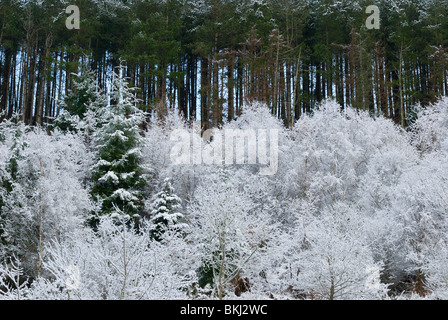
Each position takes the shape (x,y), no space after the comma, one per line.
(340,6)
(267,139)
(82,105)
(108,8)
(333,148)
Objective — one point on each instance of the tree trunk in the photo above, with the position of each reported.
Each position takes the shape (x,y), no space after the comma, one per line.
(230,87)
(205,124)
(306,88)
(215,92)
(42,79)
(6,74)
(296,112)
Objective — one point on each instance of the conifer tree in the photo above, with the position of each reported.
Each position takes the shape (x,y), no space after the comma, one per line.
(118,176)
(81,106)
(165,214)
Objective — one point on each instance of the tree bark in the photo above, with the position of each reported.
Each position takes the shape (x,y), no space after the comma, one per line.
(205,123)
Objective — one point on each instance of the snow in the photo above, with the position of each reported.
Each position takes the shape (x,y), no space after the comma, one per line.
(124,195)
(110,175)
(355,201)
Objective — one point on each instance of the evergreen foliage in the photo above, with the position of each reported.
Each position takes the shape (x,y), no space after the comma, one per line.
(166,212)
(118,177)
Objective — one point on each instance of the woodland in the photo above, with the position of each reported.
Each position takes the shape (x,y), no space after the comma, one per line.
(206,57)
(92,205)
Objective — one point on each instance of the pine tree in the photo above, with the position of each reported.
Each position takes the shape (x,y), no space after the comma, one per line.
(118,176)
(165,214)
(81,107)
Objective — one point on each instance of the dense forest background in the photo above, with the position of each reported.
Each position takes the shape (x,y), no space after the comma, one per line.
(204,58)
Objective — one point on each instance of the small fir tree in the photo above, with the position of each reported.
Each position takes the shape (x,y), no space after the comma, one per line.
(85,91)
(165,214)
(83,99)
(83,109)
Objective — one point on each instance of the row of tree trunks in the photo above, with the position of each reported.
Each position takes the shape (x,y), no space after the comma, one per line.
(34,78)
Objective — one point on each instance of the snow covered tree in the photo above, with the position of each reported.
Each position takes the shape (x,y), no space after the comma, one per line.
(435,270)
(430,130)
(166,212)
(13,283)
(115,262)
(422,209)
(331,258)
(347,158)
(83,107)
(45,197)
(228,230)
(419,207)
(156,156)
(84,92)
(118,177)
(256,116)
